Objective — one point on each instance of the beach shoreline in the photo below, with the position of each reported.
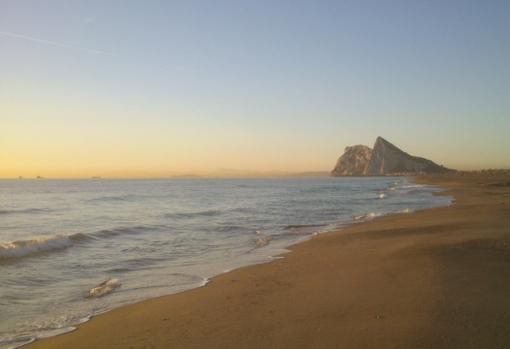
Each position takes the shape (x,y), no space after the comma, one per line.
(339,288)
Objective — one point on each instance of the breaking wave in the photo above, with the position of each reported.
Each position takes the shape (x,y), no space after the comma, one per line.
(29,247)
(21,248)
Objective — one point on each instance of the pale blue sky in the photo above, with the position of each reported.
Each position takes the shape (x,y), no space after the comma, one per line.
(195,86)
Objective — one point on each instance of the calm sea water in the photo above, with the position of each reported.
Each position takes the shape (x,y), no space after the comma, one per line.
(60,239)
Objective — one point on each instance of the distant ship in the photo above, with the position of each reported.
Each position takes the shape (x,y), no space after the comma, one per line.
(95,177)
(39,177)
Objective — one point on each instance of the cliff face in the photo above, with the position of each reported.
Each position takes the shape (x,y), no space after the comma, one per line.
(353,162)
(384,159)
(388,159)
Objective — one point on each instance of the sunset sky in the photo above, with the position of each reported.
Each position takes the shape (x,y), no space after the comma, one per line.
(161,88)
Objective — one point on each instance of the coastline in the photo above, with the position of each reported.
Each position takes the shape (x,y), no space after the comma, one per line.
(390,282)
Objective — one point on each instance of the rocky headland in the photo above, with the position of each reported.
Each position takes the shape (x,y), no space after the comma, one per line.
(384,159)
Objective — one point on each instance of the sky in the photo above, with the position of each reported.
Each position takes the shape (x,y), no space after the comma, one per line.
(162,88)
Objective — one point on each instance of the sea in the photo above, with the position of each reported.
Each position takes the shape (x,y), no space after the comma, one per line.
(72,249)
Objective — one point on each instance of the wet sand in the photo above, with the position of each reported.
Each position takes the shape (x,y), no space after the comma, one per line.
(438,278)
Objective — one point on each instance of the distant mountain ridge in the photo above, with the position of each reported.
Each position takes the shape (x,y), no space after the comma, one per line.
(384,159)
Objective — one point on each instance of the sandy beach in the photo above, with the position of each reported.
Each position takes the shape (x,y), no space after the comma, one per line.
(438,278)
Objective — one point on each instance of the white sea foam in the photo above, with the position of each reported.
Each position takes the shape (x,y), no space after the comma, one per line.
(104,288)
(55,332)
(368,216)
(263,241)
(372,215)
(15,342)
(204,282)
(411,188)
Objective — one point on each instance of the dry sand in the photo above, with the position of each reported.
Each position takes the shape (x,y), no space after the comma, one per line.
(438,278)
